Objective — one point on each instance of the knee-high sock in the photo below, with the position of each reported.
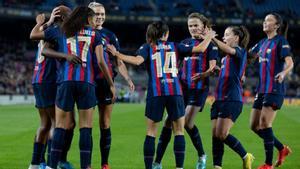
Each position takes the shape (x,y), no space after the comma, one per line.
(149,149)
(163,142)
(196,139)
(179,150)
(85,146)
(105,142)
(218,151)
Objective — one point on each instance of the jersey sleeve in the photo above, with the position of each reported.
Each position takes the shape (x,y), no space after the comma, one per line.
(255,48)
(52,33)
(98,39)
(184,49)
(143,51)
(284,48)
(239,52)
(212,52)
(115,41)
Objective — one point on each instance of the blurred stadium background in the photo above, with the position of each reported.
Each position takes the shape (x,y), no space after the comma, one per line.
(128,20)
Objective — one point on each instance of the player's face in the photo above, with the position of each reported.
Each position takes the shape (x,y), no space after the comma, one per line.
(100,15)
(229,37)
(196,27)
(270,24)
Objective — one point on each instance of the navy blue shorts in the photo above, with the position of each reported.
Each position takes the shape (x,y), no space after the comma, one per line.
(103,93)
(155,107)
(226,109)
(195,97)
(81,93)
(268,100)
(44,94)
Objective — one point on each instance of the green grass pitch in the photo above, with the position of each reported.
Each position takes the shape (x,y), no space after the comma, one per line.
(19,123)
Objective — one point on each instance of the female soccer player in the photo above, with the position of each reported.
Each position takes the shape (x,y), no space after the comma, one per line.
(76,78)
(273,52)
(164,89)
(46,89)
(195,90)
(228,95)
(103,94)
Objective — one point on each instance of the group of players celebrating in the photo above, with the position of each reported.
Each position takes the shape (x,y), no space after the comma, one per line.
(77,59)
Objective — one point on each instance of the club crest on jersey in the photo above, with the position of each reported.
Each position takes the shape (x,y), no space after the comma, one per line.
(269,51)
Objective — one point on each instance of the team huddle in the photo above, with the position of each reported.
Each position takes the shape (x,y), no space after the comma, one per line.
(77,61)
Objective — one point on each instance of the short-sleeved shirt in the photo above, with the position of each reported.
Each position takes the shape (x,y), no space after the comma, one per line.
(83,45)
(197,63)
(229,86)
(271,54)
(108,37)
(161,61)
(44,68)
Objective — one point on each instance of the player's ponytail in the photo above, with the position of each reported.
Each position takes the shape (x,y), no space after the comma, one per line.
(77,20)
(155,31)
(283,24)
(243,34)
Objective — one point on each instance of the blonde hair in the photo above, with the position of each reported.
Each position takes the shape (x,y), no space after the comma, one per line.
(95,4)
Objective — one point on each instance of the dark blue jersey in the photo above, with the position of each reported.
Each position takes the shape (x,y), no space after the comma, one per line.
(108,37)
(83,45)
(161,61)
(229,86)
(44,68)
(271,54)
(197,63)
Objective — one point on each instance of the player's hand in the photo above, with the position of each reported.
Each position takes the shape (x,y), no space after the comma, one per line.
(280,77)
(216,70)
(131,85)
(54,14)
(113,92)
(198,76)
(40,19)
(112,49)
(73,59)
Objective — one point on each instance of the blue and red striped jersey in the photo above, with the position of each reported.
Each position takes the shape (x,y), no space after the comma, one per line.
(108,37)
(229,86)
(271,57)
(161,61)
(83,45)
(44,68)
(197,63)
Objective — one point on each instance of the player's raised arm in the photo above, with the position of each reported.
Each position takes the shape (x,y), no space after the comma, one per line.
(135,60)
(239,32)
(206,40)
(37,33)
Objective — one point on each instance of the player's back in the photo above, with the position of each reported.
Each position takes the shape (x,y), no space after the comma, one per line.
(82,45)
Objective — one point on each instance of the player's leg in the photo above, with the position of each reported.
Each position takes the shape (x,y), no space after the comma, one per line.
(190,114)
(64,104)
(85,105)
(105,111)
(105,107)
(44,100)
(51,113)
(217,144)
(175,109)
(229,112)
(70,125)
(179,142)
(40,138)
(154,114)
(85,137)
(164,139)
